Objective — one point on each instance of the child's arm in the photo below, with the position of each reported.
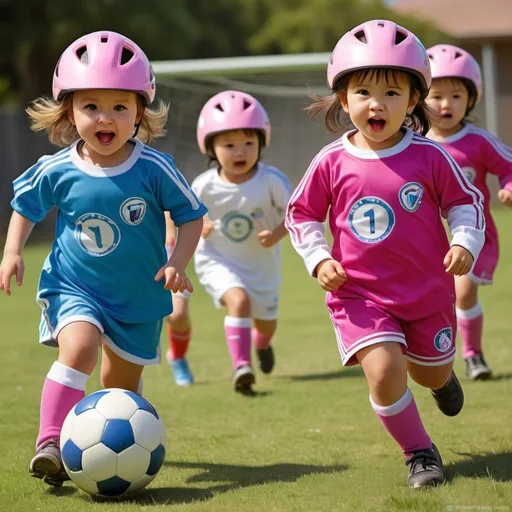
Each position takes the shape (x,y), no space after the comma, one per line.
(174,270)
(12,261)
(270,238)
(170,233)
(462,206)
(498,157)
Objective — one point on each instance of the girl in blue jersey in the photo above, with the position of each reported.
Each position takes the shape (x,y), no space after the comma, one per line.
(106,281)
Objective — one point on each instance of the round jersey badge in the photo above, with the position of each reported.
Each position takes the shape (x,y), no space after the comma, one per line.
(443,340)
(96,234)
(371,220)
(236,226)
(132,210)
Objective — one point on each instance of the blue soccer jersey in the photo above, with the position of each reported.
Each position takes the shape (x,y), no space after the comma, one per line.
(110,231)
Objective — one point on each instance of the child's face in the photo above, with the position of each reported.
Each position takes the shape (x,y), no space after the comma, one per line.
(449,99)
(237,152)
(378,108)
(105,120)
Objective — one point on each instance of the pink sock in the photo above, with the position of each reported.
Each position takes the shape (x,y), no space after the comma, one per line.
(63,388)
(402,420)
(260,340)
(238,338)
(470,324)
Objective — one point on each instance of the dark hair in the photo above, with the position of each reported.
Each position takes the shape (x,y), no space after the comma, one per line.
(208,143)
(418,121)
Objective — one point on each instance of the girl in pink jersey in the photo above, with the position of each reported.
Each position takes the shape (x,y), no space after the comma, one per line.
(389,273)
(456,89)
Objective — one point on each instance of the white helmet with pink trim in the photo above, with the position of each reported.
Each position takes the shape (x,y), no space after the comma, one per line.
(379,44)
(447,61)
(104,60)
(231,110)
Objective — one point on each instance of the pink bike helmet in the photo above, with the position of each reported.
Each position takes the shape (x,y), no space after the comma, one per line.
(231,110)
(447,61)
(379,44)
(104,60)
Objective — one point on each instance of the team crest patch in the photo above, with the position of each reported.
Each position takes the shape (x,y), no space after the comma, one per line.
(132,211)
(443,339)
(410,196)
(470,174)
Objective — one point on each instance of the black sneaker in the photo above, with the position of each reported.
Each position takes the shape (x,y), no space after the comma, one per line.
(47,463)
(243,379)
(425,468)
(477,369)
(450,398)
(266,359)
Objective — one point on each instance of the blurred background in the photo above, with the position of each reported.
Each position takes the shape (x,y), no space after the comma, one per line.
(33,33)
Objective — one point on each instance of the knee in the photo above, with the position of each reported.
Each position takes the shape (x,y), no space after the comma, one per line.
(179,319)
(384,377)
(239,304)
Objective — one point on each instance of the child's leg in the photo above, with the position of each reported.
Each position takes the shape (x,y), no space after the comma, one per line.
(65,384)
(385,370)
(469,316)
(117,372)
(262,334)
(178,328)
(237,328)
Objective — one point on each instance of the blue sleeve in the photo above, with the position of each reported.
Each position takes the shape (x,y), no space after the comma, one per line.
(33,193)
(176,196)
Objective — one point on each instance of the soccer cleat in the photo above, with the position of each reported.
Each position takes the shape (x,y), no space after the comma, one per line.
(450,398)
(243,379)
(47,463)
(266,359)
(425,468)
(182,374)
(476,368)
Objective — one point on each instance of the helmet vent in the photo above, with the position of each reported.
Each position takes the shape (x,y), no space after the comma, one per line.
(361,36)
(430,56)
(126,56)
(400,37)
(219,107)
(81,53)
(57,67)
(458,54)
(380,24)
(104,39)
(247,104)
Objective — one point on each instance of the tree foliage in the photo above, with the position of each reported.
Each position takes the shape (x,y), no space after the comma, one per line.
(33,33)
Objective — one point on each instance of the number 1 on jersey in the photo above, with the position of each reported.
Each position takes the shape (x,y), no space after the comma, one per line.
(97,235)
(371,216)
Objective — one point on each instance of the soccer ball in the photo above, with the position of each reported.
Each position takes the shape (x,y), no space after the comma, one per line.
(112,443)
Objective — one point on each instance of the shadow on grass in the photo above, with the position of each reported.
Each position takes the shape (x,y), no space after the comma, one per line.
(501,376)
(495,466)
(224,478)
(62,491)
(352,371)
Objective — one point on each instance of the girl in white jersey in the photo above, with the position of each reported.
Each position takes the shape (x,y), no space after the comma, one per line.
(456,89)
(389,274)
(105,285)
(238,258)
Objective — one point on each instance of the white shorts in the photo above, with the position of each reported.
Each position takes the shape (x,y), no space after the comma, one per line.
(218,279)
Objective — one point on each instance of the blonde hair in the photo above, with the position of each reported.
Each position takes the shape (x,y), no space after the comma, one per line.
(418,121)
(53,117)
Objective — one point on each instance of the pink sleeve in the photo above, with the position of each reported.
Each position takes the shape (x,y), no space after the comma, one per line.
(306,215)
(461,204)
(498,159)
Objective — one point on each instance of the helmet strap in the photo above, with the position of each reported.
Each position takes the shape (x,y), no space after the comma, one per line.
(137,126)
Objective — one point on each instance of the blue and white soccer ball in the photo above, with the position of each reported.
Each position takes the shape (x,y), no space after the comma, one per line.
(112,443)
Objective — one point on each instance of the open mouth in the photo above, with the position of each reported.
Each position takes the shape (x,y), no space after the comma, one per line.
(446,116)
(240,163)
(377,125)
(105,138)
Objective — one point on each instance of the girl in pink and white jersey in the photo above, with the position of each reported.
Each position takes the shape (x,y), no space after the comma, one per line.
(456,89)
(389,273)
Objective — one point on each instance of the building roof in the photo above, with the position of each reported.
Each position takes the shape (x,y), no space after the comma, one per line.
(463,19)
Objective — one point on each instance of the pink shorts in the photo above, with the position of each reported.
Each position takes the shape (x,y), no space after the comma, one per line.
(486,263)
(359,323)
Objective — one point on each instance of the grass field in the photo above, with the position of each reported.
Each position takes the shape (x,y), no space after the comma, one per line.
(308,441)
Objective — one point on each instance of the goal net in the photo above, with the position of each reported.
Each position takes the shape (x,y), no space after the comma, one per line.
(279,82)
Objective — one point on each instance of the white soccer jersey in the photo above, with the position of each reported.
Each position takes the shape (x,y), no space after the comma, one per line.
(239,212)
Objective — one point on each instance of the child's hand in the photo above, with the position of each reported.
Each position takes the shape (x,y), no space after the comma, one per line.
(267,238)
(207,227)
(330,275)
(505,196)
(175,278)
(12,265)
(458,261)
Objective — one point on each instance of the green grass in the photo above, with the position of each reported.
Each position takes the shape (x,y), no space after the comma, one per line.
(309,440)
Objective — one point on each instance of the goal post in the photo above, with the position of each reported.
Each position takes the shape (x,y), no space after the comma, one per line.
(280,82)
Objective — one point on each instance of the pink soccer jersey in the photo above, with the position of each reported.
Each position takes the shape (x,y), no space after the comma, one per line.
(479,153)
(384,214)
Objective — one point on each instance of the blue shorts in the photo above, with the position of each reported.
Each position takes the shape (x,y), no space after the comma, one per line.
(137,343)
